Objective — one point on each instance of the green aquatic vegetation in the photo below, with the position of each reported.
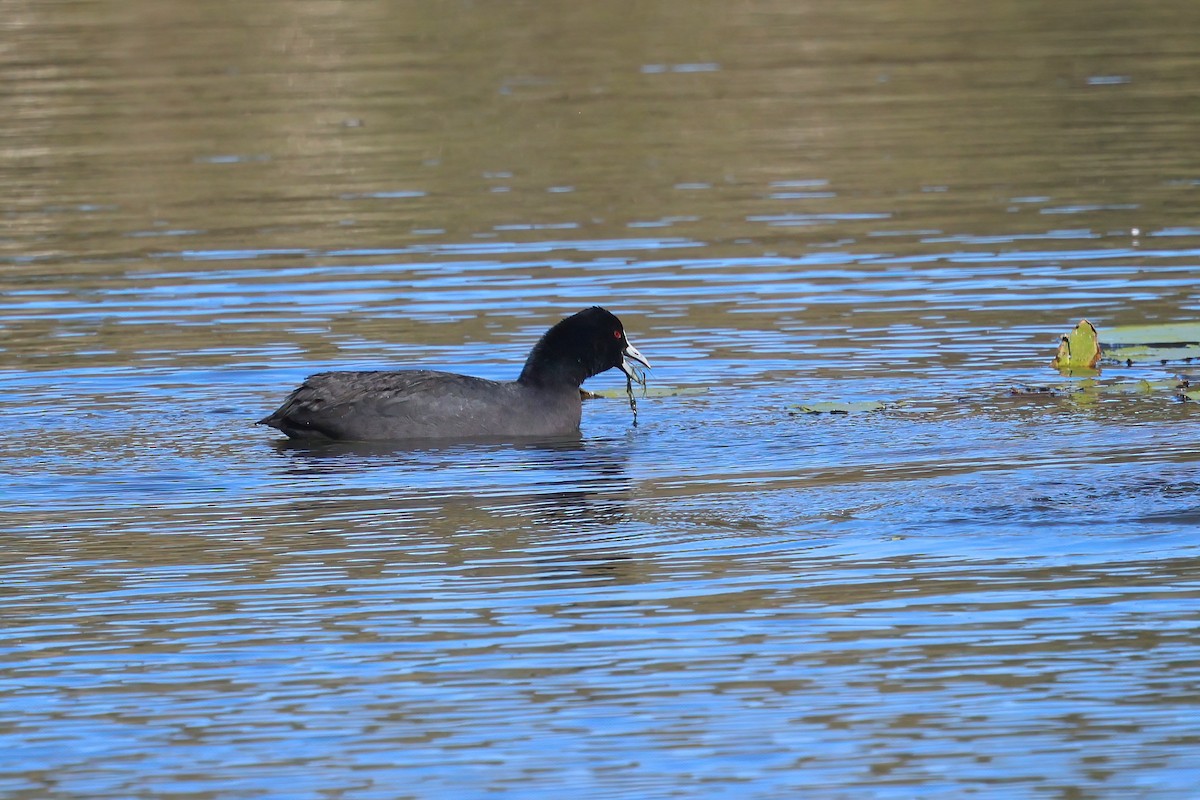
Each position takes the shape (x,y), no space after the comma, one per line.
(646,392)
(1145,344)
(1080,355)
(650,392)
(640,374)
(839,407)
(1078,351)
(1140,387)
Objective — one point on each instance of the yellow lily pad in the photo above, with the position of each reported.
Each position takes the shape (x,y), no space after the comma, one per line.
(1078,351)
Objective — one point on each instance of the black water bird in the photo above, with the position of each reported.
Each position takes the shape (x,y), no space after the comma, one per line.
(544,401)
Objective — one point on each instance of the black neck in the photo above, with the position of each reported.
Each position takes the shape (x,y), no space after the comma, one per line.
(548,368)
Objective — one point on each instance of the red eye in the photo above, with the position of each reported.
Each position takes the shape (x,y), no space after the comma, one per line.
(616,334)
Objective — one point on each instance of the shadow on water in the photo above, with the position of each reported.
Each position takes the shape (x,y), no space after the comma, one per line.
(566,484)
(346,451)
(592,462)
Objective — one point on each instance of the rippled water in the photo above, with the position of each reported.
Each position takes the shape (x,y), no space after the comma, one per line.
(971,593)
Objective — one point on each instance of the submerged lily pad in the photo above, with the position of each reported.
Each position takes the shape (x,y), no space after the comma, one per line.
(1170,341)
(1042,391)
(1078,351)
(1112,393)
(1100,389)
(653,391)
(840,407)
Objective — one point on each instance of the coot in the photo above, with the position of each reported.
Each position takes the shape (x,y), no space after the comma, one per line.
(543,401)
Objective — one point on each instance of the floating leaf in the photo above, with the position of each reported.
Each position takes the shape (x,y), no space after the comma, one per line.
(1078,351)
(1151,354)
(1047,391)
(1150,387)
(838,407)
(1167,332)
(1170,341)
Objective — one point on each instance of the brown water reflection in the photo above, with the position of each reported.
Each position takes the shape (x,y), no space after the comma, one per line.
(973,592)
(306,128)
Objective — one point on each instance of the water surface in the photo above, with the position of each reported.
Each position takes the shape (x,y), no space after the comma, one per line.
(972,592)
